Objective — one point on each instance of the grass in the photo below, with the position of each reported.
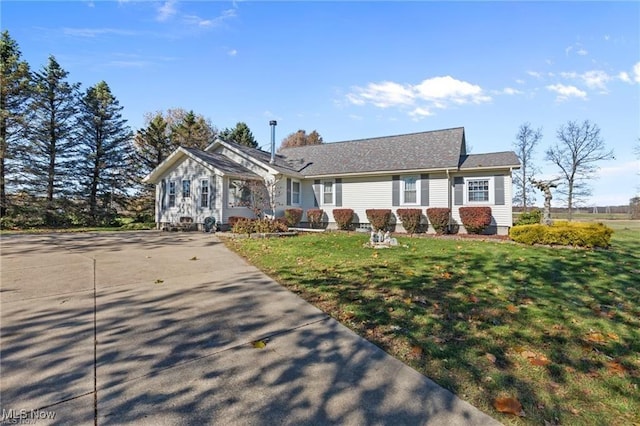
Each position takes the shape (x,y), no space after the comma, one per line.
(556,328)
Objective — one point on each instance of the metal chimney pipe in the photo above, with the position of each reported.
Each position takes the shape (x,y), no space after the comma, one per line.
(273,124)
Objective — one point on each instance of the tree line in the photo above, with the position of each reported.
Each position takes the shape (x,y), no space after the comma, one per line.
(67,155)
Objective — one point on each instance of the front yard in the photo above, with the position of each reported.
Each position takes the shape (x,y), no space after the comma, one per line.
(557,329)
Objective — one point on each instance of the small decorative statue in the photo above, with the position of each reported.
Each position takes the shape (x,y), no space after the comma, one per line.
(545,186)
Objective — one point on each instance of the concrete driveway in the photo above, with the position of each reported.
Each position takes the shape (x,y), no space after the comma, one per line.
(156,328)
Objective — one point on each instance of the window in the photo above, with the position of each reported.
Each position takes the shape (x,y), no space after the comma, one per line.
(204,193)
(478,190)
(239,194)
(186,188)
(172,194)
(295,192)
(327,191)
(410,190)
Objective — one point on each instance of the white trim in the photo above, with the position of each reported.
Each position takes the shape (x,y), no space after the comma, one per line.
(299,203)
(491,190)
(333,192)
(402,190)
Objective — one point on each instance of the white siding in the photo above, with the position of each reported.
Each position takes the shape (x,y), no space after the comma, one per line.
(438,190)
(185,207)
(501,214)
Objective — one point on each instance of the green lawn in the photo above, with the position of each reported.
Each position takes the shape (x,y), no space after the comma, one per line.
(556,328)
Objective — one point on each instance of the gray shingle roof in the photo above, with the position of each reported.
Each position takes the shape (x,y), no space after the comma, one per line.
(417,151)
(223,163)
(494,159)
(280,163)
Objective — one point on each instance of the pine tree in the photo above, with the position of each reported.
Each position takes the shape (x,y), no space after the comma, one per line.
(105,141)
(239,134)
(193,132)
(14,94)
(49,153)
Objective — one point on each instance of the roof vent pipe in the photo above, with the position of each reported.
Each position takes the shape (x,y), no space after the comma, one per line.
(273,124)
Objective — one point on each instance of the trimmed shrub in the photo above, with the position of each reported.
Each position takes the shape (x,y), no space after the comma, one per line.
(379,218)
(265,226)
(269,226)
(241,225)
(235,219)
(580,234)
(475,219)
(343,217)
(314,217)
(410,219)
(439,218)
(293,216)
(529,218)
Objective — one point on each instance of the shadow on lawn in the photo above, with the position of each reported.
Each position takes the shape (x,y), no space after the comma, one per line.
(502,300)
(179,353)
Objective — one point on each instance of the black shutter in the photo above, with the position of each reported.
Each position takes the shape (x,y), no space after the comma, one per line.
(395,190)
(316,193)
(498,182)
(163,193)
(458,193)
(338,192)
(424,189)
(288,191)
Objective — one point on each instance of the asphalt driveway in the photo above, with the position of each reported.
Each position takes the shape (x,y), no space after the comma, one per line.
(156,328)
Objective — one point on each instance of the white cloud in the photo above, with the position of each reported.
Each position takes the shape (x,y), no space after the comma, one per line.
(449,89)
(624,76)
(382,95)
(636,72)
(582,52)
(232,52)
(596,79)
(166,10)
(94,32)
(437,92)
(511,91)
(520,81)
(420,112)
(565,92)
(534,74)
(355,117)
(629,168)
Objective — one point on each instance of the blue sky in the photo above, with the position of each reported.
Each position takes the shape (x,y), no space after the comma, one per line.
(360,69)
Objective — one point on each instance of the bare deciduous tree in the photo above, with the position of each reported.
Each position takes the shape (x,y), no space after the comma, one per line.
(576,153)
(526,140)
(301,138)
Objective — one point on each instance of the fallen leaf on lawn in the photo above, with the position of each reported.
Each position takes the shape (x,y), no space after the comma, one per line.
(446,275)
(528,354)
(194,258)
(616,368)
(509,405)
(474,298)
(416,351)
(574,411)
(613,336)
(491,358)
(540,361)
(512,309)
(259,344)
(375,254)
(159,281)
(408,300)
(595,337)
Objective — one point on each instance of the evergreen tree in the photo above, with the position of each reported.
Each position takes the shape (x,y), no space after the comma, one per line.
(104,143)
(239,134)
(193,132)
(49,153)
(14,94)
